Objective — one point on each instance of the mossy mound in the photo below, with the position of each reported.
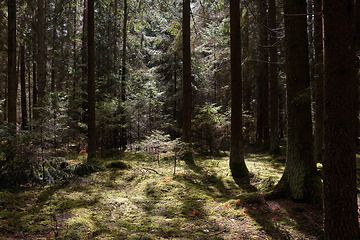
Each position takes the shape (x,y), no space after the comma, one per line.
(118,165)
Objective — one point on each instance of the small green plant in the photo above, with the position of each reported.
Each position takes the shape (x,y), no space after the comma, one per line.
(159,146)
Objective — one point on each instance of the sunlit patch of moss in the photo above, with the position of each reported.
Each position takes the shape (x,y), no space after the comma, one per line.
(148,201)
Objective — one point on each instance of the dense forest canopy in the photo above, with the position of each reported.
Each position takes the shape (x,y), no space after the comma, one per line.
(192,78)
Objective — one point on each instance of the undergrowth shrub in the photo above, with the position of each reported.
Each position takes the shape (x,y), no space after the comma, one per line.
(159,146)
(211,129)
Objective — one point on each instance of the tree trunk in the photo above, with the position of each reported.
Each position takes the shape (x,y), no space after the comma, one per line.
(12,78)
(237,163)
(41,75)
(246,76)
(187,90)
(340,128)
(274,82)
(300,177)
(123,131)
(24,118)
(263,82)
(123,61)
(318,82)
(91,83)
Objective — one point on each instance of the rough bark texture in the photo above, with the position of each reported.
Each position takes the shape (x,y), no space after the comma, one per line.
(123,64)
(187,90)
(263,82)
(340,128)
(12,78)
(274,82)
(41,74)
(91,82)
(318,82)
(246,75)
(237,163)
(300,176)
(24,118)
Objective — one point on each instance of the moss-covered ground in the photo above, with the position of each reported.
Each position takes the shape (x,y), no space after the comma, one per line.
(139,199)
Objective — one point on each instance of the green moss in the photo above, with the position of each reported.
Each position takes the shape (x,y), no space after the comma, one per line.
(118,165)
(197,203)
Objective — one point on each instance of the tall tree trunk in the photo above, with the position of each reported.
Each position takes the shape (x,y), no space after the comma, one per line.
(263,81)
(246,75)
(35,91)
(340,128)
(318,82)
(300,177)
(187,90)
(274,82)
(91,83)
(12,78)
(123,130)
(123,61)
(41,74)
(237,163)
(24,118)
(115,36)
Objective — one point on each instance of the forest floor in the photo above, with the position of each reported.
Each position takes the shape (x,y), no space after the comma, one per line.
(149,201)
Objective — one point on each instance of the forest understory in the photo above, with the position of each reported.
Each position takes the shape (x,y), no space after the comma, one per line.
(137,197)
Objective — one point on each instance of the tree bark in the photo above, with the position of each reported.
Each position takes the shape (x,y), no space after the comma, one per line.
(274,82)
(300,177)
(24,118)
(123,61)
(263,82)
(123,131)
(91,83)
(187,90)
(340,128)
(246,76)
(318,82)
(12,76)
(237,163)
(41,74)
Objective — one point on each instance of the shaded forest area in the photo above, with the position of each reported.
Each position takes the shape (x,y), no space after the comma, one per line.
(228,113)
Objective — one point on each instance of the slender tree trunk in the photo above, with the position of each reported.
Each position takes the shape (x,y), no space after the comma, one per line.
(237,163)
(35,92)
(340,128)
(246,76)
(115,36)
(318,82)
(41,75)
(123,62)
(300,178)
(265,77)
(12,78)
(274,82)
(24,118)
(175,88)
(187,90)
(263,82)
(29,94)
(91,83)
(123,130)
